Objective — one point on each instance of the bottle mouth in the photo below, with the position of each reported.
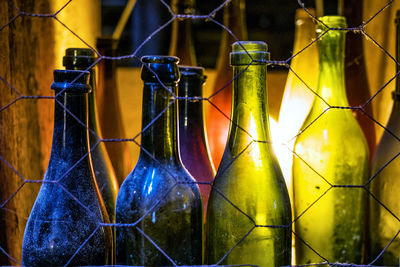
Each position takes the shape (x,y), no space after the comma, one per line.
(160,59)
(78,58)
(192,71)
(332,22)
(71,81)
(249,52)
(160,68)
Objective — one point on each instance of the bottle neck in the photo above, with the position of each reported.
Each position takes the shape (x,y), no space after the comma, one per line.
(182,42)
(70,137)
(191,120)
(160,138)
(397,90)
(249,110)
(234,19)
(331,82)
(92,109)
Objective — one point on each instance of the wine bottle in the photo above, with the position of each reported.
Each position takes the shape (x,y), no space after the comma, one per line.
(383,225)
(249,215)
(331,161)
(217,122)
(193,145)
(182,44)
(300,84)
(109,111)
(64,225)
(82,59)
(159,203)
(357,86)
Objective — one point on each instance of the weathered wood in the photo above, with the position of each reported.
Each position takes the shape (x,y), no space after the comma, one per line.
(25,126)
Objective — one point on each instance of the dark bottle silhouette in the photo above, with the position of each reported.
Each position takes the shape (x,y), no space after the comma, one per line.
(193,145)
(109,111)
(64,225)
(83,59)
(357,87)
(159,198)
(217,123)
(182,44)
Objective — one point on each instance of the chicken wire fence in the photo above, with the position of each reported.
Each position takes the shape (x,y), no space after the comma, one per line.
(25,181)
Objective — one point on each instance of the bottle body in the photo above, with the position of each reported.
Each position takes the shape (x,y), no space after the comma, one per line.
(297,98)
(69,207)
(383,226)
(193,146)
(330,165)
(159,197)
(109,112)
(182,44)
(81,59)
(218,119)
(249,194)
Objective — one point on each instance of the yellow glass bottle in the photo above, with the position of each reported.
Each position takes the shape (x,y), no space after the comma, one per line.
(298,98)
(249,215)
(331,162)
(383,225)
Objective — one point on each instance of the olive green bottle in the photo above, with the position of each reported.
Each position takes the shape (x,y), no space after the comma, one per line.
(330,164)
(383,225)
(249,215)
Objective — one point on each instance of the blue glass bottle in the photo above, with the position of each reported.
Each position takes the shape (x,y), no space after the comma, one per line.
(159,203)
(64,225)
(82,59)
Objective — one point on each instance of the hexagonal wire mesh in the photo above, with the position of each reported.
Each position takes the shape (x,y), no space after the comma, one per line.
(210,17)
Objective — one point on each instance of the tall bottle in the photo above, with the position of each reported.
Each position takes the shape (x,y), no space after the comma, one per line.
(356,74)
(63,227)
(298,98)
(383,226)
(193,145)
(82,59)
(109,111)
(159,198)
(330,151)
(218,123)
(182,44)
(249,196)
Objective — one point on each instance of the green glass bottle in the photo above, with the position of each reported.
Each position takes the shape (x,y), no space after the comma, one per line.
(249,215)
(82,59)
(331,157)
(383,225)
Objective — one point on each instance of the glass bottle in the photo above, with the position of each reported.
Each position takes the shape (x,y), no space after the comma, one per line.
(383,225)
(297,97)
(331,161)
(182,44)
(63,227)
(355,72)
(193,147)
(82,59)
(218,123)
(159,200)
(249,215)
(109,111)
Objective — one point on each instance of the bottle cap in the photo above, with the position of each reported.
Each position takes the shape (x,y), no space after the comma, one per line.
(249,52)
(166,68)
(72,81)
(78,58)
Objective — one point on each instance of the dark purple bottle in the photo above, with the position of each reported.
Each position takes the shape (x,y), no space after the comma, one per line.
(64,225)
(193,145)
